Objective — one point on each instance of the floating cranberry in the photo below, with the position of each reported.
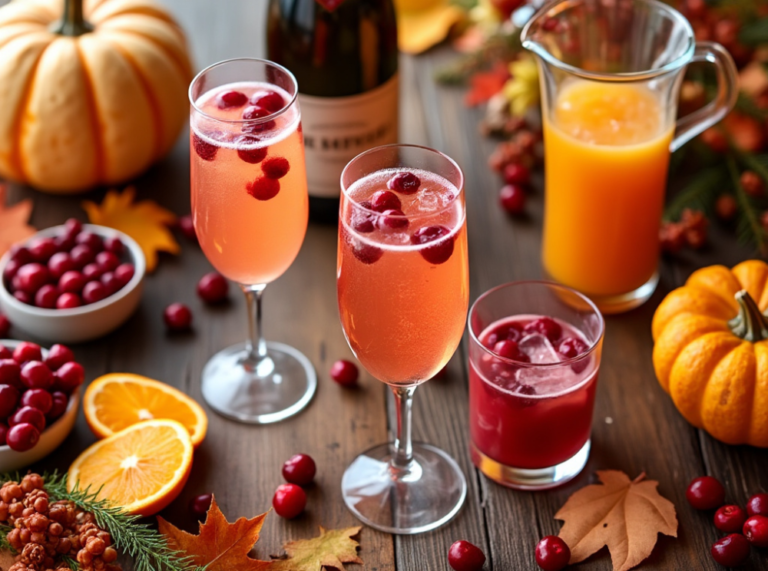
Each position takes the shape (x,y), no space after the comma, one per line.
(31,277)
(111,283)
(90,239)
(263,188)
(275,167)
(29,415)
(366,253)
(439,253)
(231,99)
(36,375)
(512,198)
(404,183)
(60,263)
(21,254)
(57,356)
(71,282)
(9,373)
(22,437)
(69,376)
(199,505)
(552,553)
(756,530)
(204,149)
(82,255)
(72,227)
(731,551)
(345,373)
(26,351)
(705,493)
(251,114)
(730,519)
(47,296)
(545,326)
(289,500)
(758,505)
(515,173)
(23,297)
(42,249)
(115,245)
(107,260)
(255,112)
(124,273)
(571,347)
(299,469)
(94,292)
(509,350)
(248,152)
(39,399)
(361,220)
(382,200)
(213,288)
(59,406)
(187,227)
(177,317)
(9,398)
(68,301)
(269,100)
(393,220)
(464,556)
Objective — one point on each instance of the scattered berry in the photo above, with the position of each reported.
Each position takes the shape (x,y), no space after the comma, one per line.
(552,553)
(213,288)
(512,199)
(204,149)
(671,237)
(404,183)
(730,519)
(756,530)
(715,139)
(22,437)
(382,200)
(439,253)
(758,505)
(248,152)
(726,207)
(345,373)
(263,188)
(299,469)
(231,99)
(289,500)
(178,317)
(464,556)
(751,182)
(731,550)
(705,493)
(199,505)
(515,173)
(275,167)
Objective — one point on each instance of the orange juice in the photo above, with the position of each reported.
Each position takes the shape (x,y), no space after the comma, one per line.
(607,153)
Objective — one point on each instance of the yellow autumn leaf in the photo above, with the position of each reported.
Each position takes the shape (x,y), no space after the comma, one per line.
(145,221)
(422,24)
(522,90)
(331,549)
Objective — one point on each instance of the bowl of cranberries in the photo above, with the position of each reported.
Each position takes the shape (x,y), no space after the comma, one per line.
(72,283)
(39,395)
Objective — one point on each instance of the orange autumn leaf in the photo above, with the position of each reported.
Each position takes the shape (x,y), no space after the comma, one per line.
(331,549)
(220,545)
(13,221)
(486,84)
(624,515)
(144,221)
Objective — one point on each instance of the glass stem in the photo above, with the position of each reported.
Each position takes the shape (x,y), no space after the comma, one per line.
(403,443)
(256,345)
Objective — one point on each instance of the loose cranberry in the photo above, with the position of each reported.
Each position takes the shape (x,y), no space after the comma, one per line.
(111,283)
(3,434)
(384,200)
(289,500)
(275,167)
(47,296)
(204,149)
(124,273)
(68,301)
(69,376)
(552,553)
(439,253)
(9,398)
(231,99)
(731,551)
(512,199)
(9,373)
(248,152)
(263,188)
(177,317)
(545,326)
(26,351)
(361,220)
(22,437)
(758,505)
(730,519)
(29,415)
(107,260)
(90,239)
(82,255)
(31,277)
(21,254)
(5,326)
(10,270)
(23,297)
(515,173)
(36,375)
(509,350)
(756,530)
(115,245)
(42,249)
(345,373)
(366,253)
(187,227)
(59,263)
(269,100)
(571,347)
(393,220)
(299,469)
(199,505)
(464,556)
(404,183)
(213,288)
(59,407)
(705,493)
(73,227)
(39,399)
(57,356)
(71,282)
(93,292)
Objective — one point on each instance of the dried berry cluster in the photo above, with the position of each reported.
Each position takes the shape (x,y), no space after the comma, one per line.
(690,231)
(44,532)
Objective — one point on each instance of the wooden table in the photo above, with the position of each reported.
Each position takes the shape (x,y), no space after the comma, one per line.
(636,427)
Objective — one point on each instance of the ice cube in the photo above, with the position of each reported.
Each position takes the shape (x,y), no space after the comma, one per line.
(539,349)
(547,380)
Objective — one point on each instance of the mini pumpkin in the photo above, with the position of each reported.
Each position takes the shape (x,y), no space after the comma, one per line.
(91,92)
(711,351)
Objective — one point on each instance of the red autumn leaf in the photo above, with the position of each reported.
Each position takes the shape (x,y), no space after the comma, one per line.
(486,84)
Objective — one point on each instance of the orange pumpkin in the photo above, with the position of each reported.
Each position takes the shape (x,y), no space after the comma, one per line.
(90,93)
(711,351)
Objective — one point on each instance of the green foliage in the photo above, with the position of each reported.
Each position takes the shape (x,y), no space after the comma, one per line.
(699,194)
(755,32)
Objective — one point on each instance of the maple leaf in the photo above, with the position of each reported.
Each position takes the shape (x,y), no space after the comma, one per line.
(329,549)
(145,221)
(13,221)
(486,84)
(624,515)
(219,545)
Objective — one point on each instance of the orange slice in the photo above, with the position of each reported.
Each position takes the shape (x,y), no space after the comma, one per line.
(116,401)
(141,469)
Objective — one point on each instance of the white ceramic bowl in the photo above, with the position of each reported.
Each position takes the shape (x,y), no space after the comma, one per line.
(81,323)
(50,439)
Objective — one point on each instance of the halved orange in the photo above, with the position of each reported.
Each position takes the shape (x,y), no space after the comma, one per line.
(142,468)
(116,401)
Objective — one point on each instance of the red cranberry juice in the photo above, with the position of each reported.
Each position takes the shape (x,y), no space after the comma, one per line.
(531,417)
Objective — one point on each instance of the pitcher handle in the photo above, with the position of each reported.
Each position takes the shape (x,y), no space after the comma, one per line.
(727,91)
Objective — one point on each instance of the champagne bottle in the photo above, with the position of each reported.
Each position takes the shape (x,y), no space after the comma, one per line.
(344,56)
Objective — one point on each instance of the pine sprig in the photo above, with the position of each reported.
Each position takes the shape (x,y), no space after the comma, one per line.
(700,194)
(749,228)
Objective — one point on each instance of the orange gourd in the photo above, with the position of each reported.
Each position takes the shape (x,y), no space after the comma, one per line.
(91,92)
(711,351)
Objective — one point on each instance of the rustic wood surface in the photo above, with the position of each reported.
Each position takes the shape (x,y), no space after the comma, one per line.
(636,427)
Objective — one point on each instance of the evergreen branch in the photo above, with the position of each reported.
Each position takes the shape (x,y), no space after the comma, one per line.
(749,228)
(755,32)
(71,563)
(699,194)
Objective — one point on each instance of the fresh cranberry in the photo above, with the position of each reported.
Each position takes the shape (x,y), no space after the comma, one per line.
(94,292)
(361,220)
(59,263)
(22,437)
(10,270)
(404,183)
(213,288)
(82,255)
(231,99)
(756,530)
(393,219)
(199,505)
(177,317)
(275,167)
(204,149)
(3,434)
(263,188)
(72,227)
(248,152)
(42,249)
(21,254)
(47,296)
(512,198)
(299,469)
(107,260)
(730,519)
(115,245)
(464,556)
(289,500)
(69,376)
(545,326)
(705,493)
(269,100)
(187,227)
(509,350)
(366,253)
(255,112)
(757,504)
(5,352)
(571,347)
(90,239)
(39,399)
(731,551)
(9,373)
(23,297)
(345,373)
(59,407)
(382,200)
(111,283)
(71,282)
(36,375)
(31,277)
(5,327)
(68,301)
(124,273)
(30,415)
(9,398)
(57,356)
(515,173)
(26,351)
(552,553)
(439,253)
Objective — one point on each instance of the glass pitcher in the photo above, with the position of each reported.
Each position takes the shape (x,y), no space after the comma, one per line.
(610,74)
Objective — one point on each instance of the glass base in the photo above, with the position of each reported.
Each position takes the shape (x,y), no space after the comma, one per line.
(610,304)
(526,479)
(404,502)
(280,386)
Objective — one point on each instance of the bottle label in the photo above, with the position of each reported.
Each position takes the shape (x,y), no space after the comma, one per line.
(337,129)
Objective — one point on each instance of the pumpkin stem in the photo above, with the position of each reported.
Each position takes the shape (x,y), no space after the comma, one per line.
(749,324)
(72,22)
